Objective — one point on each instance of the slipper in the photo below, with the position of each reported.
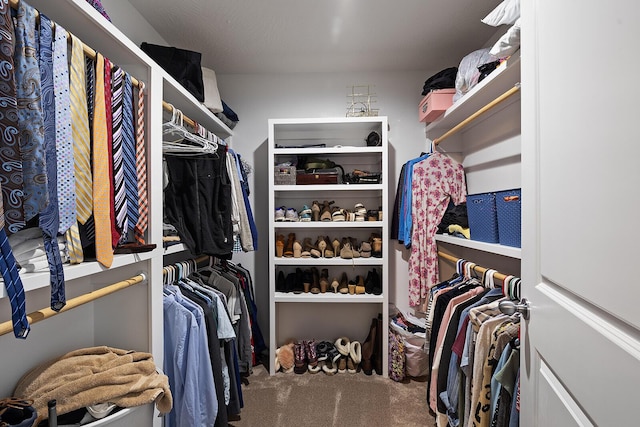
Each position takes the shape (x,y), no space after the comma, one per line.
(329,367)
(355,355)
(342,345)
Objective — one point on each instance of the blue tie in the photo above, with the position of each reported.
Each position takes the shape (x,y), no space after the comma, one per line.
(30,123)
(49,219)
(8,271)
(129,154)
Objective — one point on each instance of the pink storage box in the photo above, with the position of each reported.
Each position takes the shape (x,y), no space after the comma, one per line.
(435,104)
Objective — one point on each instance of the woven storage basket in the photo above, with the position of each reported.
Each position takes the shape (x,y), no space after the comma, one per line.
(509,211)
(284,175)
(483,221)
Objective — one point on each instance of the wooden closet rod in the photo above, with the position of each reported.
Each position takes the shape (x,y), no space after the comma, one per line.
(477,114)
(88,51)
(477,268)
(186,119)
(45,313)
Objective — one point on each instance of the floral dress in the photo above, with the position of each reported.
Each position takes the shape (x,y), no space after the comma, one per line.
(435,180)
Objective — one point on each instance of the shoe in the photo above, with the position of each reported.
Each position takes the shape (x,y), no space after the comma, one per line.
(324,280)
(365,249)
(335,285)
(346,252)
(281,284)
(336,247)
(321,244)
(348,215)
(376,285)
(298,284)
(326,211)
(342,345)
(290,282)
(288,248)
(279,214)
(328,252)
(360,212)
(337,214)
(355,356)
(342,364)
(315,210)
(368,347)
(376,245)
(315,281)
(354,247)
(328,353)
(305,214)
(300,356)
(330,367)
(291,215)
(322,350)
(312,356)
(310,248)
(297,249)
(360,288)
(352,287)
(279,245)
(372,215)
(307,279)
(17,412)
(377,352)
(343,288)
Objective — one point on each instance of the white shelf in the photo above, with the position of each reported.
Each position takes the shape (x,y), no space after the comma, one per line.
(328,150)
(328,297)
(329,187)
(327,261)
(493,248)
(495,84)
(327,224)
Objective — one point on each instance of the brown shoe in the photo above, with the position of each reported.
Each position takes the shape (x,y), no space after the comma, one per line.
(288,248)
(368,347)
(315,210)
(315,281)
(310,248)
(324,280)
(279,245)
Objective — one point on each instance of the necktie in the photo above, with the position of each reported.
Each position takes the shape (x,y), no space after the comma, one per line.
(129,153)
(80,132)
(30,124)
(101,179)
(64,144)
(120,200)
(88,229)
(8,126)
(108,111)
(141,167)
(48,220)
(11,171)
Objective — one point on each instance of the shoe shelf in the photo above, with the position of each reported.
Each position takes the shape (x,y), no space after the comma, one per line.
(343,141)
(328,297)
(493,248)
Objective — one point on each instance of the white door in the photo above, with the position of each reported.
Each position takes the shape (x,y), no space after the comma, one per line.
(581,205)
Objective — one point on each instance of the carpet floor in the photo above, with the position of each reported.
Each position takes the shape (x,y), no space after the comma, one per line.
(319,400)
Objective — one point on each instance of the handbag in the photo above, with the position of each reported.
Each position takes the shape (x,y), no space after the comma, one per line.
(183,65)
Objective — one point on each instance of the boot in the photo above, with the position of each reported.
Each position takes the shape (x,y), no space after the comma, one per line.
(310,248)
(298,287)
(281,285)
(368,347)
(377,354)
(279,245)
(376,286)
(324,280)
(315,283)
(307,279)
(288,248)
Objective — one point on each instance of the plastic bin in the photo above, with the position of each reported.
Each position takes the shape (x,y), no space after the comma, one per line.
(509,210)
(483,219)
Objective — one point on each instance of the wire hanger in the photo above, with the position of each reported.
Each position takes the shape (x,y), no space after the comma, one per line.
(176,139)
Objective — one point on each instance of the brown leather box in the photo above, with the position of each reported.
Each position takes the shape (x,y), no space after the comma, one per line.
(317,178)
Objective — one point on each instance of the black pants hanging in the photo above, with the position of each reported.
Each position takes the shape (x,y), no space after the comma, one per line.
(198,202)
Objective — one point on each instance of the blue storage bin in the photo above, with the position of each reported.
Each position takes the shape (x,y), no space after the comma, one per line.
(509,207)
(483,220)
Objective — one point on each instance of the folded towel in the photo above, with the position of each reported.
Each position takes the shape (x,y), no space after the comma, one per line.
(93,375)
(211,94)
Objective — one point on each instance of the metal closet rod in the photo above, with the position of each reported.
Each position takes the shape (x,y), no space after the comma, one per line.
(186,119)
(477,114)
(477,268)
(88,51)
(45,313)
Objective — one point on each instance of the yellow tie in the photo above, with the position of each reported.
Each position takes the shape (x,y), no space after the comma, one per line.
(101,184)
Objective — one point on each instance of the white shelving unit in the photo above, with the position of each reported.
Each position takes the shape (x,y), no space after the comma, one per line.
(130,318)
(489,148)
(328,316)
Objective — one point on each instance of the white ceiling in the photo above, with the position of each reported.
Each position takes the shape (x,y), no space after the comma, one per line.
(274,36)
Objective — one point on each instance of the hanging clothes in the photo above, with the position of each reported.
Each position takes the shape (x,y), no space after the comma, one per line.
(435,180)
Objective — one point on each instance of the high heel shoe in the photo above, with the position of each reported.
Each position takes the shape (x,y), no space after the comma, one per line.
(288,248)
(335,285)
(307,280)
(324,280)
(297,249)
(326,210)
(321,245)
(336,247)
(315,210)
(279,245)
(315,282)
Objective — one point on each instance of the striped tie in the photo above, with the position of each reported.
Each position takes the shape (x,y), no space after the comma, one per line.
(66,183)
(101,184)
(129,153)
(80,127)
(108,113)
(120,200)
(141,167)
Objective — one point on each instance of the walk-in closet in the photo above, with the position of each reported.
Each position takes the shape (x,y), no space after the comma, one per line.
(348,212)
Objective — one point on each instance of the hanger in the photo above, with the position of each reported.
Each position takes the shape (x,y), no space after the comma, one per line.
(177,140)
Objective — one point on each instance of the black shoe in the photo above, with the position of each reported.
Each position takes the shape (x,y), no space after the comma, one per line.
(377,283)
(281,283)
(298,286)
(290,282)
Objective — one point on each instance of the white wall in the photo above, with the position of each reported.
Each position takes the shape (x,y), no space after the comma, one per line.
(258,97)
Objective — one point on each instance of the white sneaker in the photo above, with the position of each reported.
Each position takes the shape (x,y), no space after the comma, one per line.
(280,213)
(291,215)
